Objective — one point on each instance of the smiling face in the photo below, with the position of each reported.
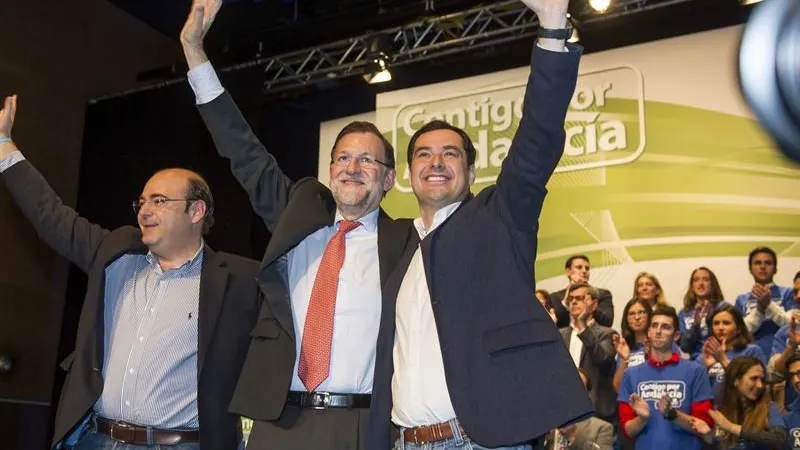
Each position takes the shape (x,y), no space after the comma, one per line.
(751,384)
(440,174)
(701,283)
(646,289)
(357,187)
(168,222)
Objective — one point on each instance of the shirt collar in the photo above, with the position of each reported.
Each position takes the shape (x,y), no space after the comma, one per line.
(674,359)
(440,216)
(368,222)
(589,323)
(153,261)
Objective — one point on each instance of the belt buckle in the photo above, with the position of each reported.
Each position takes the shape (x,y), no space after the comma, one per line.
(119,425)
(325,400)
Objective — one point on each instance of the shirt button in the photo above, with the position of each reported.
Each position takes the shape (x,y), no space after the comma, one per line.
(132,370)
(127,403)
(152,310)
(141,338)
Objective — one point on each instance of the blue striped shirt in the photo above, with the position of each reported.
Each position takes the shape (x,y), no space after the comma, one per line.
(150,342)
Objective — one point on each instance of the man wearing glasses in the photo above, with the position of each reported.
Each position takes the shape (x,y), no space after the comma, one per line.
(165,324)
(592,348)
(307,379)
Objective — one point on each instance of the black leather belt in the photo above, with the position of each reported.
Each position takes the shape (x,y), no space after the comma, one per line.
(325,400)
(136,435)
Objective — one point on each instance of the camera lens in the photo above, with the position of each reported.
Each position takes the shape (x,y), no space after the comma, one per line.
(769,70)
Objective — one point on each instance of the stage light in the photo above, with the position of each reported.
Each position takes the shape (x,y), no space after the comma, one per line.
(377,72)
(600,5)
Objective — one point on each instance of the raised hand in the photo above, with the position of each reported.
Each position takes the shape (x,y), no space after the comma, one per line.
(199,22)
(7,116)
(793,333)
(621,346)
(708,354)
(639,406)
(551,13)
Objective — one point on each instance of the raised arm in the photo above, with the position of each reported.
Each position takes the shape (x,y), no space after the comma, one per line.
(58,225)
(539,140)
(252,165)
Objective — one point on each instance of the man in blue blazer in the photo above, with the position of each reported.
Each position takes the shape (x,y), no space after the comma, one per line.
(465,354)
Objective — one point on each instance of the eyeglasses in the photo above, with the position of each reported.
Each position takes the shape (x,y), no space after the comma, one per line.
(344,160)
(578,298)
(158,202)
(637,313)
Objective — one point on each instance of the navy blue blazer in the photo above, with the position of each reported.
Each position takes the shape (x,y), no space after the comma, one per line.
(509,374)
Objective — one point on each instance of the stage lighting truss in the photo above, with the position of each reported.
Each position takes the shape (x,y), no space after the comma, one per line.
(424,39)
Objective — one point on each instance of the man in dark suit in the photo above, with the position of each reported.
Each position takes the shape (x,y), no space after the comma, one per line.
(464,354)
(591,347)
(577,271)
(292,408)
(165,324)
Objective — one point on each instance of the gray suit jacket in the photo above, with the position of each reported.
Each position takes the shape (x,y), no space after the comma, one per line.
(593,434)
(597,359)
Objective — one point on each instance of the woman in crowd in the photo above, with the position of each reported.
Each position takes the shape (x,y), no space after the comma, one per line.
(631,345)
(730,338)
(746,419)
(647,287)
(702,298)
(544,298)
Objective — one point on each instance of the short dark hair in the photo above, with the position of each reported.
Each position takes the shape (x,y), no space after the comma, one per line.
(198,190)
(359,126)
(796,277)
(791,360)
(435,125)
(568,264)
(591,290)
(758,250)
(669,311)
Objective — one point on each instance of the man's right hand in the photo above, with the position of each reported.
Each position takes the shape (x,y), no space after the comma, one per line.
(195,29)
(6,123)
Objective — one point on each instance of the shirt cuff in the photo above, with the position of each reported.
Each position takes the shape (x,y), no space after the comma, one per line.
(205,83)
(10,160)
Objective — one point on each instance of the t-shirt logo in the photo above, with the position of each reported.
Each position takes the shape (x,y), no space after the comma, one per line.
(717,371)
(795,438)
(636,359)
(653,390)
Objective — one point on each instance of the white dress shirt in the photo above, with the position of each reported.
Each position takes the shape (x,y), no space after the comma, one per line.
(358,298)
(419,389)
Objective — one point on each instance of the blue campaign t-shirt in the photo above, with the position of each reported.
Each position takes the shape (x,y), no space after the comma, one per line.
(779,343)
(716,373)
(686,322)
(774,419)
(764,334)
(686,383)
(792,423)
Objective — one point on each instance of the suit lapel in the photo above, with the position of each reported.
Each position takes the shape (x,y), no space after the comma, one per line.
(213,281)
(298,221)
(392,237)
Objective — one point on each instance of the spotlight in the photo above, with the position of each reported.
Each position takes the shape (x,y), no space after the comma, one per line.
(377,72)
(600,5)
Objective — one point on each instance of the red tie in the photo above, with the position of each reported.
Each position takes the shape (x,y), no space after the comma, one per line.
(315,352)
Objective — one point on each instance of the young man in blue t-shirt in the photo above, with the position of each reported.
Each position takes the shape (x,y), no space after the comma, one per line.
(764,307)
(659,401)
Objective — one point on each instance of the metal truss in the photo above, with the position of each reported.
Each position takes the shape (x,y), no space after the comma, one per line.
(427,38)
